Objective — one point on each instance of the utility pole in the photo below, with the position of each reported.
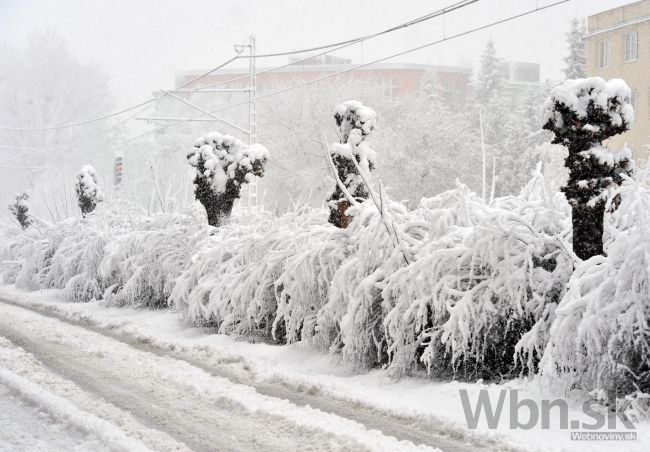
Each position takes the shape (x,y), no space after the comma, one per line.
(252,118)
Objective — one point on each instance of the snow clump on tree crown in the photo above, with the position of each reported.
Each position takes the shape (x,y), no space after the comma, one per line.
(223,157)
(356,122)
(579,98)
(87,183)
(352,115)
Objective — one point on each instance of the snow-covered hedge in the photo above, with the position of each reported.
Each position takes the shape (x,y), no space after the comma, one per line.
(457,286)
(112,255)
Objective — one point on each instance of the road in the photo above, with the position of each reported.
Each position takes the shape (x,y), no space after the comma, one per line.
(166,402)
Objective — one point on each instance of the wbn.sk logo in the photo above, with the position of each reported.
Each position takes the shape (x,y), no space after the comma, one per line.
(527,414)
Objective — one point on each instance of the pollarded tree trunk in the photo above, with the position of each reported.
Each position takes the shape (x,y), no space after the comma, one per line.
(218,206)
(587,221)
(588,230)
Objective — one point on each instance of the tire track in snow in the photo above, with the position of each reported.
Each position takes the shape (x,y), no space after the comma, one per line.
(203,411)
(400,427)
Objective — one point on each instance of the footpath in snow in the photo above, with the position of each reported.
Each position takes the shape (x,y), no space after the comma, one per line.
(431,407)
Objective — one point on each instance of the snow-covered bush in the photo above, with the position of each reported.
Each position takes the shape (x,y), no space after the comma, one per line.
(231,282)
(581,114)
(140,267)
(223,164)
(15,249)
(355,124)
(58,257)
(20,210)
(600,338)
(351,322)
(87,190)
(483,276)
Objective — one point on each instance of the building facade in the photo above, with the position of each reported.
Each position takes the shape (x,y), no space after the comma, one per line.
(618,46)
(398,80)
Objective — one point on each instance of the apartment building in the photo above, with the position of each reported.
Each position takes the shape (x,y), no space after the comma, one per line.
(618,46)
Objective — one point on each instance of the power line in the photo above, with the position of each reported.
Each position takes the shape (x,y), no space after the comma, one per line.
(335,74)
(417,20)
(15,148)
(101,118)
(338,45)
(341,45)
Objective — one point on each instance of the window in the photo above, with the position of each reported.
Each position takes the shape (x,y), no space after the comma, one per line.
(633,101)
(631,46)
(603,54)
(390,87)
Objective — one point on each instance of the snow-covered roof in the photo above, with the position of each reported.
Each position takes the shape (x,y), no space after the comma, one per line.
(338,67)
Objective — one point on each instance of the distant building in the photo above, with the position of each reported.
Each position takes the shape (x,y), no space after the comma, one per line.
(398,80)
(522,79)
(618,46)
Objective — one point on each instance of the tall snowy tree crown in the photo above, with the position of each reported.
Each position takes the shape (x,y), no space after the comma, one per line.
(88,192)
(588,109)
(356,122)
(489,79)
(224,158)
(581,114)
(353,115)
(576,60)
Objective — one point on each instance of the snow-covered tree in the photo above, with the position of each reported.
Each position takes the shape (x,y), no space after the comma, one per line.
(223,164)
(87,190)
(576,60)
(490,77)
(355,123)
(581,114)
(20,209)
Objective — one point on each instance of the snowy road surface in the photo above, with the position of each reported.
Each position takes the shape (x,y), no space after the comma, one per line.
(70,384)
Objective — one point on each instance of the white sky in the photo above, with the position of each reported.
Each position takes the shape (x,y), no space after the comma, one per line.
(141,43)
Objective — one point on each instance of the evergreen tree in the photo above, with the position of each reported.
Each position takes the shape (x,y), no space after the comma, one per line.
(581,114)
(495,118)
(223,164)
(87,190)
(355,123)
(20,209)
(490,78)
(576,60)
